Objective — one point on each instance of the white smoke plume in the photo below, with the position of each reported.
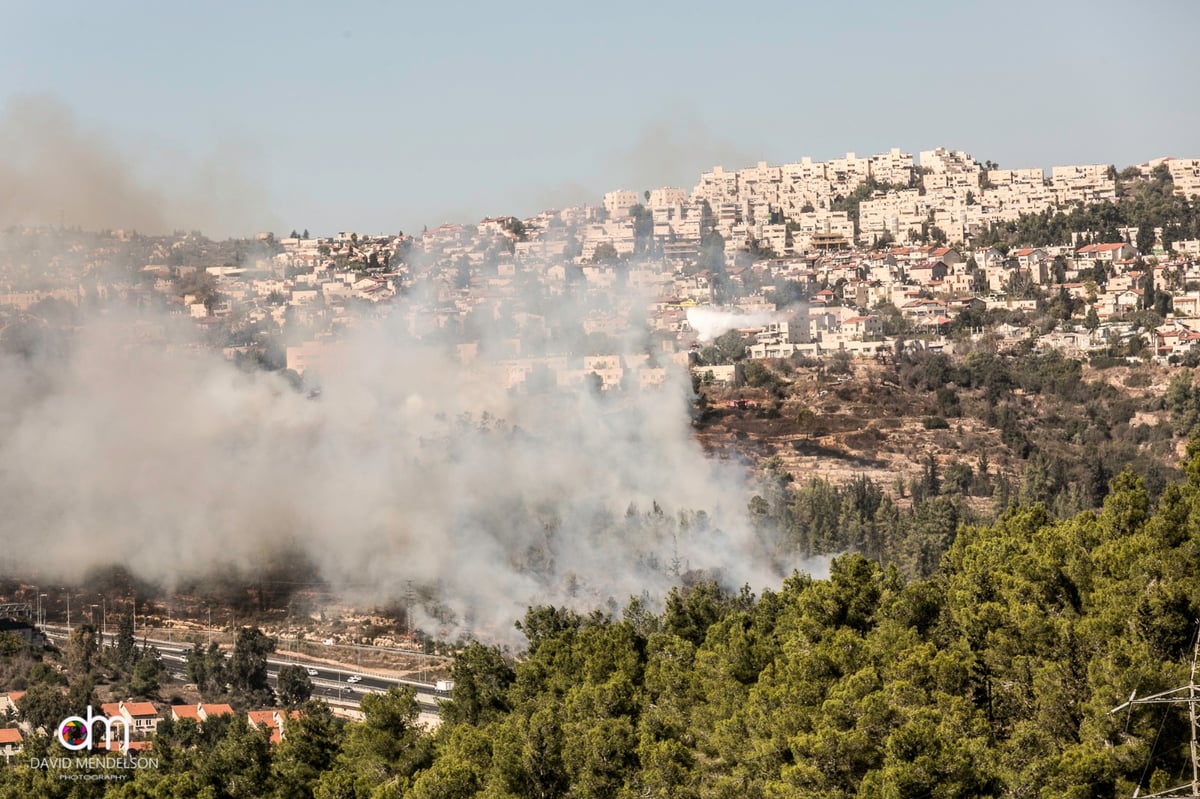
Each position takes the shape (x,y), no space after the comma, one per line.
(137,447)
(712,322)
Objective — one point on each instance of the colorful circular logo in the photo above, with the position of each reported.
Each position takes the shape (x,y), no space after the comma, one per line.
(73,733)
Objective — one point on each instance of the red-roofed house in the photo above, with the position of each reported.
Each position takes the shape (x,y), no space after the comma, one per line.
(1029,256)
(922,307)
(214,710)
(8,701)
(945,255)
(272,720)
(1127,300)
(963,303)
(11,744)
(1105,252)
(926,273)
(142,717)
(1174,338)
(862,327)
(201,712)
(1184,305)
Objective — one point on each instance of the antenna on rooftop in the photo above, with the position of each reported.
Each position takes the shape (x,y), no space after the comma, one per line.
(1187,694)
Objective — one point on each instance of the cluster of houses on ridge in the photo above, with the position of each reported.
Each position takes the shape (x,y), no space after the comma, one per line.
(495,291)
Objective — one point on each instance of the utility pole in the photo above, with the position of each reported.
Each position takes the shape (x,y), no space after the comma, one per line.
(1184,694)
(410,597)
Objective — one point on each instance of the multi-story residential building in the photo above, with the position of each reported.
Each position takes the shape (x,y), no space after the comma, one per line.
(618,203)
(1016,177)
(950,169)
(759,181)
(666,197)
(1185,173)
(822,228)
(847,174)
(892,167)
(716,187)
(1087,184)
(897,214)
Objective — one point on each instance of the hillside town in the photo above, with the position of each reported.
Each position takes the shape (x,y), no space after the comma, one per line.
(863,256)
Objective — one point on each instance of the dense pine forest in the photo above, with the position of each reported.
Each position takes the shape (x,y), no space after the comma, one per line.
(994,676)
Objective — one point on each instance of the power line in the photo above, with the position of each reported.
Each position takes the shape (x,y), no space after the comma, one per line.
(1187,694)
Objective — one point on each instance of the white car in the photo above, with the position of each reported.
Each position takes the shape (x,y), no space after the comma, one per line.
(353,678)
(312,672)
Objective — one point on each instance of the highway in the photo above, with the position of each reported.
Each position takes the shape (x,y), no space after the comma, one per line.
(336,683)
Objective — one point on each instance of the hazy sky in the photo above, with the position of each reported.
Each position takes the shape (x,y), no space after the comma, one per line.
(380,116)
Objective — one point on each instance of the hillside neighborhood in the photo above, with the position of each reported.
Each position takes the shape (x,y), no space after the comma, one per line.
(858,255)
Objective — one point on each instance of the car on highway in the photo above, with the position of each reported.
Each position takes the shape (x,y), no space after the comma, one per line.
(312,672)
(353,678)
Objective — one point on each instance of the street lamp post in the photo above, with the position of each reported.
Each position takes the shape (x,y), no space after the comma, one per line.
(42,609)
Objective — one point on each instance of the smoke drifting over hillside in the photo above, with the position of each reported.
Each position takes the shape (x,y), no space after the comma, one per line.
(167,459)
(54,170)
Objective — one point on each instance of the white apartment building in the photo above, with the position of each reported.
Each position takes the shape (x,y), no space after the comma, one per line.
(666,197)
(1185,173)
(896,213)
(849,172)
(892,167)
(818,224)
(759,181)
(1019,177)
(716,187)
(950,169)
(618,203)
(1087,183)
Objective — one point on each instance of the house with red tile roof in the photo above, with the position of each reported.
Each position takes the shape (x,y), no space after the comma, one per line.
(8,701)
(273,720)
(142,717)
(1029,256)
(11,744)
(179,712)
(1108,253)
(213,710)
(201,712)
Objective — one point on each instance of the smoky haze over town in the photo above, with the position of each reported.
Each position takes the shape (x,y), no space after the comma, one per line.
(657,400)
(130,444)
(483,416)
